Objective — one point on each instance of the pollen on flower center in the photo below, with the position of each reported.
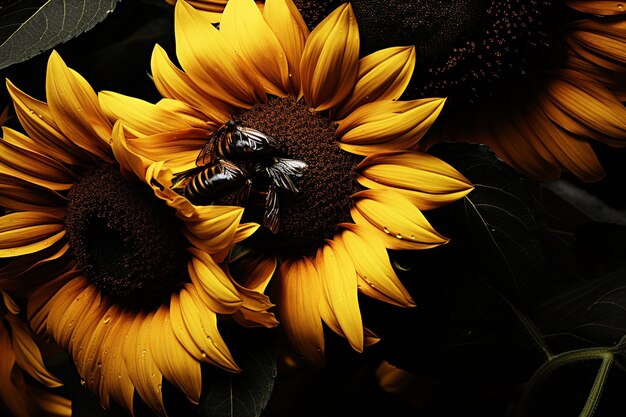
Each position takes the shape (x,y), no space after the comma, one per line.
(323,200)
(126,242)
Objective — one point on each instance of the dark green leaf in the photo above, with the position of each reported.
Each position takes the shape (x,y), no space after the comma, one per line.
(496,223)
(245,394)
(594,310)
(28,27)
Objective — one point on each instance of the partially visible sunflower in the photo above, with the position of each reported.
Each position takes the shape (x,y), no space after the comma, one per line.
(20,358)
(538,81)
(122,275)
(363,191)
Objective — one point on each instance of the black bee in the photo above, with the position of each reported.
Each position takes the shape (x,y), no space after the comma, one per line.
(216,173)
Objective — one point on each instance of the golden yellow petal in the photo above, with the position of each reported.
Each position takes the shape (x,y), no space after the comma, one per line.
(256,44)
(27,272)
(115,382)
(132,165)
(611,78)
(174,362)
(299,292)
(425,180)
(143,372)
(254,309)
(175,84)
(383,75)
(140,117)
(214,287)
(329,64)
(213,228)
(18,195)
(16,160)
(51,404)
(78,294)
(193,322)
(599,41)
(339,304)
(39,303)
(597,7)
(398,223)
(377,279)
(9,303)
(27,232)
(27,354)
(284,18)
(255,273)
(572,153)
(74,107)
(582,106)
(388,125)
(47,138)
(212,62)
(370,337)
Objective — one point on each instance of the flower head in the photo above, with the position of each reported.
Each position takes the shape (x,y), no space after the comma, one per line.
(362,191)
(120,273)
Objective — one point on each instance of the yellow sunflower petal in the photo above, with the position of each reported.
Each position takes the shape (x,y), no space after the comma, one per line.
(9,303)
(27,272)
(27,354)
(254,309)
(582,106)
(212,228)
(194,323)
(115,382)
(398,223)
(18,195)
(27,232)
(339,303)
(64,321)
(174,362)
(142,117)
(377,279)
(600,41)
(52,405)
(132,165)
(285,20)
(255,42)
(40,302)
(74,107)
(388,125)
(47,138)
(425,180)
(329,64)
(299,293)
(175,84)
(214,287)
(383,75)
(211,61)
(16,160)
(597,7)
(256,272)
(142,370)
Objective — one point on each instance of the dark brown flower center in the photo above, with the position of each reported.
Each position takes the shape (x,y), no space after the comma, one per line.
(126,241)
(464,48)
(323,200)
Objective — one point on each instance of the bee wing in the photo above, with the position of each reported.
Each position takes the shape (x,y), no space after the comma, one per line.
(257,140)
(243,195)
(271,218)
(208,153)
(283,169)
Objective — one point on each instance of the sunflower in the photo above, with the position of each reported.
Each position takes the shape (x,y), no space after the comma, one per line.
(539,82)
(362,192)
(121,274)
(21,357)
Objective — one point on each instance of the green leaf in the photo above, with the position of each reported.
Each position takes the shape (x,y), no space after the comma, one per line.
(245,394)
(592,311)
(29,27)
(497,223)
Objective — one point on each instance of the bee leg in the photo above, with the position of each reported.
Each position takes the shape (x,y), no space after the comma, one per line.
(271,218)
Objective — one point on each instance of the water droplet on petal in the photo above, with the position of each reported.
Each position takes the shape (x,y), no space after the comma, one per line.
(106,320)
(386,230)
